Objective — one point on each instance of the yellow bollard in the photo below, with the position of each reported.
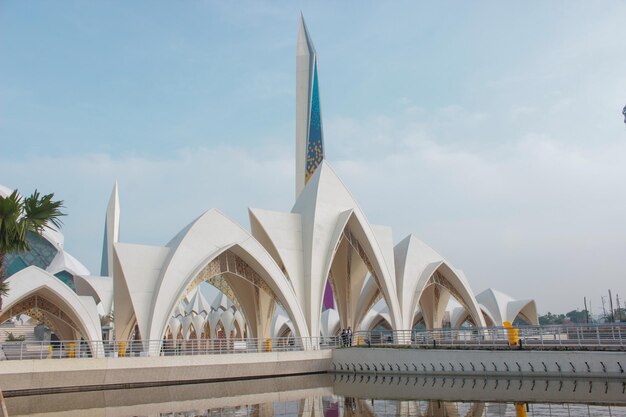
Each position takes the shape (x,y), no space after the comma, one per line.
(359,341)
(49,352)
(520,410)
(512,332)
(268,345)
(121,349)
(71,353)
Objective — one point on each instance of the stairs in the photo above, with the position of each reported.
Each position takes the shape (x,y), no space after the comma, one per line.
(31,348)
(26,330)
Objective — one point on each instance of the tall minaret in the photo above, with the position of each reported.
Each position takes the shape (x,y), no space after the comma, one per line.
(111,233)
(309,136)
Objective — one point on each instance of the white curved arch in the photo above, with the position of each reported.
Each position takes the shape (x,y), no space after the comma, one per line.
(279,322)
(213,318)
(420,269)
(526,309)
(327,209)
(197,245)
(375,316)
(502,307)
(175,325)
(187,323)
(330,323)
(240,322)
(198,324)
(228,319)
(82,311)
(370,295)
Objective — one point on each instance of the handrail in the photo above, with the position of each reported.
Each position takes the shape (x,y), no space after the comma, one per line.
(529,337)
(75,349)
(573,335)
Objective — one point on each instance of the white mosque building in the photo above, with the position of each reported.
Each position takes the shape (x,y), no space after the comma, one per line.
(309,271)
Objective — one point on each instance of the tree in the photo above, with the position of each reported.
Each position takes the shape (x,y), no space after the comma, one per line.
(577,316)
(551,319)
(20,216)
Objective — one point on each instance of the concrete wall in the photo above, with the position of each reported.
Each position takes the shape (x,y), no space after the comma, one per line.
(156,401)
(68,374)
(39,376)
(480,362)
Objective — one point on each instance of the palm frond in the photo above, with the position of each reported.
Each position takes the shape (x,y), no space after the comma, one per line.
(42,212)
(12,229)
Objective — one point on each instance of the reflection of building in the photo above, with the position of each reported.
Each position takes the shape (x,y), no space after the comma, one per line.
(274,277)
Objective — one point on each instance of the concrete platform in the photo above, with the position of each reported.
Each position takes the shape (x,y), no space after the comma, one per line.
(29,377)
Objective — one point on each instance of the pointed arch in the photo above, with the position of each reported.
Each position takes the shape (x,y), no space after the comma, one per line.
(37,293)
(214,241)
(426,282)
(356,257)
(436,284)
(206,331)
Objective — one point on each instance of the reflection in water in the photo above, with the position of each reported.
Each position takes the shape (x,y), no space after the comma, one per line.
(343,396)
(349,407)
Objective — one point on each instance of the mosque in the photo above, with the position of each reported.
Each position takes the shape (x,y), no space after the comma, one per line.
(307,272)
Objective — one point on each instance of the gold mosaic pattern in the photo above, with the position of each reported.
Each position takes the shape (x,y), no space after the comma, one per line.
(314,158)
(38,308)
(228,262)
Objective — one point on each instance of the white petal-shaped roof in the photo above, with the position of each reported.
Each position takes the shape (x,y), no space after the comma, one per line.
(198,323)
(228,320)
(175,325)
(179,310)
(221,302)
(198,304)
(327,208)
(63,261)
(416,265)
(502,307)
(202,241)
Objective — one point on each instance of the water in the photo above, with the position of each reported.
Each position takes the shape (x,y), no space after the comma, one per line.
(343,395)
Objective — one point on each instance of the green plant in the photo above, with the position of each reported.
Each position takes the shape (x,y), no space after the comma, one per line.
(20,216)
(12,338)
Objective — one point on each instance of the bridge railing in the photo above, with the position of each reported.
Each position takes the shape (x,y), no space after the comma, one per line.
(20,350)
(582,336)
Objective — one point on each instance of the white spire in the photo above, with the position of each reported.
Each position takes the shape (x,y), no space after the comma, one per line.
(309,141)
(111,232)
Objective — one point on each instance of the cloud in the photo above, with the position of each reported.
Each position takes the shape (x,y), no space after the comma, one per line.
(532,211)
(535,212)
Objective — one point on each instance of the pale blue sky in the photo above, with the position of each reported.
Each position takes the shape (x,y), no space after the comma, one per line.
(491,130)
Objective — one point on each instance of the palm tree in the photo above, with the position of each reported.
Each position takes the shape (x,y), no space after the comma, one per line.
(18,217)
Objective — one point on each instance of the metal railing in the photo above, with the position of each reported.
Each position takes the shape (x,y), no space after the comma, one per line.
(571,336)
(528,337)
(136,348)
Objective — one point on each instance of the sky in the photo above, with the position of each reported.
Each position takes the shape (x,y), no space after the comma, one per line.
(491,130)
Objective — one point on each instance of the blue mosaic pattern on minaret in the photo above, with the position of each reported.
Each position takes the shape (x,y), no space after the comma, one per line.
(315,143)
